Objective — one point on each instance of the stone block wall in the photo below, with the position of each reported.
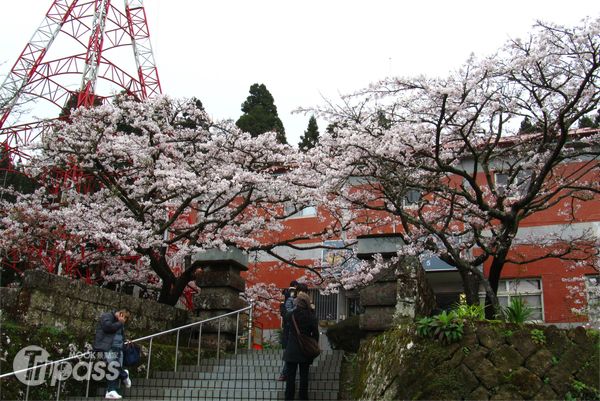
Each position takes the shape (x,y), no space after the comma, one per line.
(50,300)
(492,361)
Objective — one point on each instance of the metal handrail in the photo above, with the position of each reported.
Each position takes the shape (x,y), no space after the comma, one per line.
(187,326)
(151,338)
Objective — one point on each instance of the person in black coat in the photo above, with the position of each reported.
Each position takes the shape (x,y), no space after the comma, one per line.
(306,320)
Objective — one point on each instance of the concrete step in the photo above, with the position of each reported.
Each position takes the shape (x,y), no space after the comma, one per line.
(250,375)
(273,356)
(323,365)
(270,361)
(223,394)
(270,384)
(315,374)
(217,396)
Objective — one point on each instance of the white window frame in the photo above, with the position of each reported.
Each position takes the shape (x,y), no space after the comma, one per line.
(309,211)
(506,290)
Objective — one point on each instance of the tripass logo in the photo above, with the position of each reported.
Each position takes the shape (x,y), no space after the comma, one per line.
(33,368)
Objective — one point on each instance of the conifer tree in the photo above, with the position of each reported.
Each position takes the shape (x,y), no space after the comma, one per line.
(527,127)
(587,121)
(311,135)
(260,114)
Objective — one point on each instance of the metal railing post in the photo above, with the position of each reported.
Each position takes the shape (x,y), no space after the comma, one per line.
(149,358)
(58,387)
(199,343)
(177,349)
(89,377)
(237,325)
(219,340)
(250,325)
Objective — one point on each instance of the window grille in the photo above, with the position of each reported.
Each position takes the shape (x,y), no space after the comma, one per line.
(529,290)
(326,306)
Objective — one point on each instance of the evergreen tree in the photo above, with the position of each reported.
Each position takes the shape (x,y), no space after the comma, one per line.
(65,112)
(191,121)
(527,127)
(311,135)
(588,122)
(260,114)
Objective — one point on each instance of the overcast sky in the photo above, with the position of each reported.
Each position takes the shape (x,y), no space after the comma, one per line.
(305,50)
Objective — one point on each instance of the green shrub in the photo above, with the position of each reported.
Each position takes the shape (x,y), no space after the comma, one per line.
(517,312)
(445,327)
(469,312)
(538,336)
(424,327)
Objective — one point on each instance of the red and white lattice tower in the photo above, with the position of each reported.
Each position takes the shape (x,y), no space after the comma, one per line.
(84,52)
(88,62)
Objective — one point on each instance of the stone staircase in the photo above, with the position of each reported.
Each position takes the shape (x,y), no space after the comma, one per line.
(251,375)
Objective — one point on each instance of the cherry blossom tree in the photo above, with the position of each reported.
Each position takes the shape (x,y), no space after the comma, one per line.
(169,183)
(444,160)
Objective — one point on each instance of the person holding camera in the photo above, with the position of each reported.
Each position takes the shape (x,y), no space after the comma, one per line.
(287,306)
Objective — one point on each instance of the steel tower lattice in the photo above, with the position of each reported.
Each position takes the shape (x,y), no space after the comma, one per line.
(79,45)
(98,32)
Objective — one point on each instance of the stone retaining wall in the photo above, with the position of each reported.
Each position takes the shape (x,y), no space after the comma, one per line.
(50,300)
(493,361)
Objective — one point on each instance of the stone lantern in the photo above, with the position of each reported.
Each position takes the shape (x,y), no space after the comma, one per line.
(397,294)
(220,284)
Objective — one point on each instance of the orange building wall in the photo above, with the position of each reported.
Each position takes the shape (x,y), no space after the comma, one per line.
(558,301)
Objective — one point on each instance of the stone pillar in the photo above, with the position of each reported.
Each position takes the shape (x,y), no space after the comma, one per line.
(396,295)
(220,284)
(414,295)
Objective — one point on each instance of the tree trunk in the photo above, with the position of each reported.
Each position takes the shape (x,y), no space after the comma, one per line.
(172,290)
(165,296)
(492,305)
(470,286)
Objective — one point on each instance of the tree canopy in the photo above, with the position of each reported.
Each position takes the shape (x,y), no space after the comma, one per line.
(260,114)
(455,142)
(173,183)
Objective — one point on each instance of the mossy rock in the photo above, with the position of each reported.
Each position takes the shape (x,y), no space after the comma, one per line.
(346,335)
(398,364)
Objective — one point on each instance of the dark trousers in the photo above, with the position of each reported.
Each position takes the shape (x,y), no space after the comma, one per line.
(290,382)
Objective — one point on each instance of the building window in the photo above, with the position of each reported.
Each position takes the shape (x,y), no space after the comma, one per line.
(411,198)
(519,184)
(309,211)
(326,306)
(592,287)
(528,289)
